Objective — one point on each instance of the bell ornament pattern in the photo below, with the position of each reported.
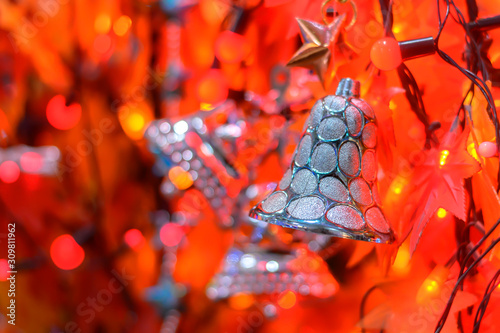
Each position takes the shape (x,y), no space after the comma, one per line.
(331,185)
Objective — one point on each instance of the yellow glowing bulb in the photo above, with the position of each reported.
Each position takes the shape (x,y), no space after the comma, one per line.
(102,24)
(441,213)
(431,285)
(444,156)
(398,185)
(121,25)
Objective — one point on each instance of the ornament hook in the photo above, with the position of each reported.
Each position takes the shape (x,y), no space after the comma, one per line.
(324,7)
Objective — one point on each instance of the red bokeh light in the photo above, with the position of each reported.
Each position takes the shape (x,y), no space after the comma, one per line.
(134,239)
(61,116)
(31,162)
(386,54)
(212,87)
(9,172)
(4,268)
(230,47)
(171,234)
(102,44)
(66,253)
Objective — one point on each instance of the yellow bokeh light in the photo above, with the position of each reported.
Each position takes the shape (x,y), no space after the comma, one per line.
(441,213)
(206,107)
(392,105)
(241,301)
(122,25)
(102,24)
(444,156)
(180,178)
(287,299)
(433,284)
(398,184)
(402,260)
(134,120)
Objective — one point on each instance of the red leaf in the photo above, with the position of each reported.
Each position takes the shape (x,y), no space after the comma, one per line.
(440,182)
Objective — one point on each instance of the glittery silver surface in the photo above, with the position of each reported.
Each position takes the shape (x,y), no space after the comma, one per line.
(165,127)
(275,202)
(334,103)
(369,166)
(349,162)
(334,189)
(304,150)
(285,181)
(363,106)
(331,129)
(304,182)
(323,159)
(333,179)
(260,272)
(360,191)
(306,208)
(346,217)
(354,120)
(316,114)
(376,220)
(369,136)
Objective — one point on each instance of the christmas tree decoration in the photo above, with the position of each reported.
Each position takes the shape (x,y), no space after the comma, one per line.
(260,272)
(162,169)
(443,172)
(485,24)
(317,51)
(164,295)
(192,152)
(387,53)
(487,149)
(331,185)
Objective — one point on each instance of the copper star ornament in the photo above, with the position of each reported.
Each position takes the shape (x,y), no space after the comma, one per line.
(317,50)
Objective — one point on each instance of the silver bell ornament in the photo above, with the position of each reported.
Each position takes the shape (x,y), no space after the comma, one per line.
(331,185)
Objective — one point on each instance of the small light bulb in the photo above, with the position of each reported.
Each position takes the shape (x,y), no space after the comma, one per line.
(386,54)
(444,156)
